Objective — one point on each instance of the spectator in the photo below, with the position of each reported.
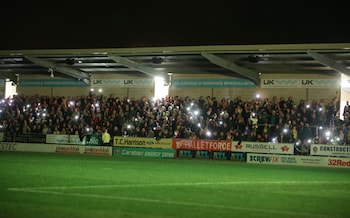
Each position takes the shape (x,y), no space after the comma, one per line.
(63,131)
(304,133)
(115,131)
(46,129)
(171,116)
(106,138)
(56,131)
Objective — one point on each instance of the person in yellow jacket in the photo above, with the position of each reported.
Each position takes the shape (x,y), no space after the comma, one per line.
(106,137)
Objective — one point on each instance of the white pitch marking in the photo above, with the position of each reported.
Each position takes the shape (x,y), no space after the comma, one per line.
(191,204)
(177,184)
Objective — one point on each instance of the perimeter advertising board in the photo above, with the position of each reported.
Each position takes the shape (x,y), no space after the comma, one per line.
(28,138)
(57,139)
(143,152)
(72,139)
(140,142)
(215,155)
(263,147)
(330,150)
(55,148)
(14,146)
(79,149)
(206,145)
(298,160)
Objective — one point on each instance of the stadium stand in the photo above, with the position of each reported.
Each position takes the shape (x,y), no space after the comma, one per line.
(260,120)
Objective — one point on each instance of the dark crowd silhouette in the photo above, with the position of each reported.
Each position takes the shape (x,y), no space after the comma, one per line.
(260,119)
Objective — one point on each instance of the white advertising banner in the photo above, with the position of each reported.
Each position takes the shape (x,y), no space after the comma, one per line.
(75,140)
(298,160)
(263,147)
(122,82)
(79,149)
(54,148)
(300,83)
(64,139)
(57,139)
(14,146)
(330,150)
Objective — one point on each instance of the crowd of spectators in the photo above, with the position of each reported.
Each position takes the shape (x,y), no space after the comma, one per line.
(262,120)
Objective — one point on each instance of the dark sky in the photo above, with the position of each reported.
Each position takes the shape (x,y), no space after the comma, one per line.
(121,23)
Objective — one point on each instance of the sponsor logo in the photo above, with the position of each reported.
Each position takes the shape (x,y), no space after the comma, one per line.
(285,148)
(268,82)
(67,149)
(97,150)
(239,146)
(307,82)
(338,162)
(264,159)
(261,146)
(8,146)
(344,149)
(212,145)
(127,141)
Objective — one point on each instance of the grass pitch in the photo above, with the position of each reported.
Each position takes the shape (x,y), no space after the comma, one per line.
(58,185)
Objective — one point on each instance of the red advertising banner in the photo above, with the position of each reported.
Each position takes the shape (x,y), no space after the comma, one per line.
(209,145)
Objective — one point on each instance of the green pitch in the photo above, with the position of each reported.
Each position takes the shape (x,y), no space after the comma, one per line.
(56,185)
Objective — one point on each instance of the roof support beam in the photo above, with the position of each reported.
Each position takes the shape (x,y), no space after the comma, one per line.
(63,69)
(136,66)
(329,62)
(229,65)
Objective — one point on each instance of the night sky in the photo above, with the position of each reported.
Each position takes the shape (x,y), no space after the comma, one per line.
(120,23)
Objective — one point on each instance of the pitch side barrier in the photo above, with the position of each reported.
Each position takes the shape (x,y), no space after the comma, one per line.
(23,137)
(251,152)
(142,147)
(60,143)
(56,148)
(264,153)
(173,148)
(330,150)
(323,155)
(52,139)
(226,150)
(298,160)
(199,148)
(72,139)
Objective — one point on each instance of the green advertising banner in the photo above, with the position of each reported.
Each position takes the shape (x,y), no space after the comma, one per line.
(213,83)
(143,152)
(94,140)
(51,83)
